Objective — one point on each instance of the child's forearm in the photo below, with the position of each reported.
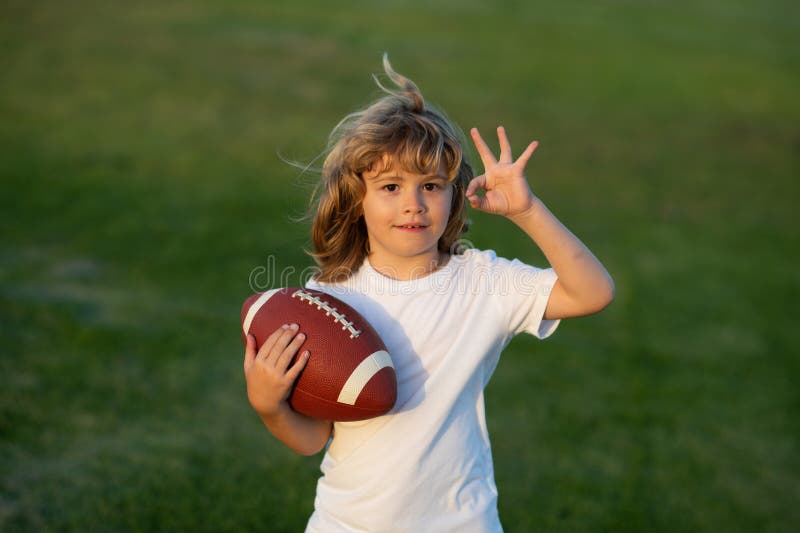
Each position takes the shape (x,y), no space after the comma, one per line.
(303,434)
(582,277)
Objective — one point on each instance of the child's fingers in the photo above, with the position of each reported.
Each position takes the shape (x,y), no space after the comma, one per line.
(505,146)
(483,150)
(249,351)
(281,345)
(476,184)
(478,202)
(298,366)
(522,160)
(263,352)
(271,342)
(286,355)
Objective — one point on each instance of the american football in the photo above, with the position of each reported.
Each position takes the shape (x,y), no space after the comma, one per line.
(350,375)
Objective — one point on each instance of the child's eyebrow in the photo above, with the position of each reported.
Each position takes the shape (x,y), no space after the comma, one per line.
(386,177)
(393,177)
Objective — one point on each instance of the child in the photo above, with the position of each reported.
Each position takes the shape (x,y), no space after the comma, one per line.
(389,215)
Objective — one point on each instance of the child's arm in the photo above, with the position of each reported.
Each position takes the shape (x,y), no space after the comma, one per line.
(584,286)
(269,381)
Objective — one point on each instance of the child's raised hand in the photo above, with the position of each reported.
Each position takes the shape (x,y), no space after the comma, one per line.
(506,189)
(268,374)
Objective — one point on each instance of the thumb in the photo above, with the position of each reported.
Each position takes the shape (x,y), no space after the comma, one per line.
(477,183)
(249,351)
(478,202)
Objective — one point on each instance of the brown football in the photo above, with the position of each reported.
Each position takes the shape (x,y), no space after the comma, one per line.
(350,375)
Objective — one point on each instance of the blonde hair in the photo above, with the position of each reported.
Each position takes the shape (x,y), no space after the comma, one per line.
(416,137)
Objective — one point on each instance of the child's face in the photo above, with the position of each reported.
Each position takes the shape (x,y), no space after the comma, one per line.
(405,213)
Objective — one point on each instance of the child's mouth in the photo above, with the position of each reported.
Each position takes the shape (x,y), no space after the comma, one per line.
(411,227)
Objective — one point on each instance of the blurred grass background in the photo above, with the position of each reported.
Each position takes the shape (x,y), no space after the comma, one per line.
(140,184)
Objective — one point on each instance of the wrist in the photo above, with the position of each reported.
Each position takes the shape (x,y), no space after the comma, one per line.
(525,215)
(270,416)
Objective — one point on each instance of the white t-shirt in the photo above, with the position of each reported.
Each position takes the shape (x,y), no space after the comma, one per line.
(427,464)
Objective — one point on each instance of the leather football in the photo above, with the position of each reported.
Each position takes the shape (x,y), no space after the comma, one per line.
(349,375)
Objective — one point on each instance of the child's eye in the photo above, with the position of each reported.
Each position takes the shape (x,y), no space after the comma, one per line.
(391,187)
(431,186)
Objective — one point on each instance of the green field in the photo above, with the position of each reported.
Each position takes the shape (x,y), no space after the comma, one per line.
(141,183)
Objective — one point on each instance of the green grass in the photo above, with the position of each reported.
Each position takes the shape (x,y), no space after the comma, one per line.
(140,184)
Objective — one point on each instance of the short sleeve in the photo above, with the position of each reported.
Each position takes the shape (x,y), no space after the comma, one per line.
(532,287)
(522,292)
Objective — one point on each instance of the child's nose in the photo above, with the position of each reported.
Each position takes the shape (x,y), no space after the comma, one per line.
(414,204)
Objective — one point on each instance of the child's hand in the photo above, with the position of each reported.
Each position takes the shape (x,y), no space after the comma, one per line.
(507,191)
(269,377)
